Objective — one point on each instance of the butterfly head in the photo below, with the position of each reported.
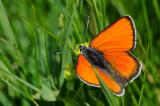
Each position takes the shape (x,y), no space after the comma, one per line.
(82,49)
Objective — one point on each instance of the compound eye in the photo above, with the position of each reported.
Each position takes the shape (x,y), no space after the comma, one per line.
(81,47)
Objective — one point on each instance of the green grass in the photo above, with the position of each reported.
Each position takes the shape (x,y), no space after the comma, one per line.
(38,40)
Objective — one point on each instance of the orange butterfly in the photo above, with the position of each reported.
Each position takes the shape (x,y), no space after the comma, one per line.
(110,53)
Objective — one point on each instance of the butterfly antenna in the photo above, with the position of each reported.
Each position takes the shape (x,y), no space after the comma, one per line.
(61,52)
(87,26)
(58,53)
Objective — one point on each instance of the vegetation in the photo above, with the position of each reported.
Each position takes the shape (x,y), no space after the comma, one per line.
(39,41)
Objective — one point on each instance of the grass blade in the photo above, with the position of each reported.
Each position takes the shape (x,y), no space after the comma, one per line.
(7,28)
(112,100)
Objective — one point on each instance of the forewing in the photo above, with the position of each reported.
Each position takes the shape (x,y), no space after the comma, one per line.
(119,36)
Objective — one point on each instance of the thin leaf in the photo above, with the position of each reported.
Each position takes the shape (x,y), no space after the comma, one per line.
(112,100)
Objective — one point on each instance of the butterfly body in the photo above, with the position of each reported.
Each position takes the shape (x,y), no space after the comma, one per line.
(96,59)
(109,53)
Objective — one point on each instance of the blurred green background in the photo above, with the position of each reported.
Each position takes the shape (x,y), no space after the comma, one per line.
(38,40)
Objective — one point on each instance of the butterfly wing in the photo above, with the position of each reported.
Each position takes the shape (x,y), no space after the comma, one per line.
(115,42)
(119,36)
(86,73)
(124,63)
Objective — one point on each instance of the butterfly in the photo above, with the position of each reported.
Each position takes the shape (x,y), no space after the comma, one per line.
(110,53)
